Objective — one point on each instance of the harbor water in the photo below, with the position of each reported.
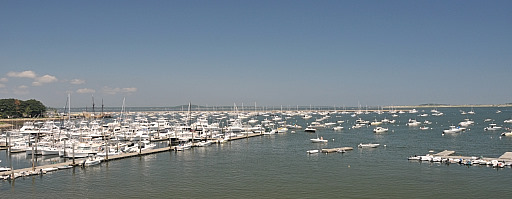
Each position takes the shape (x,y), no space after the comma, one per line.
(277,166)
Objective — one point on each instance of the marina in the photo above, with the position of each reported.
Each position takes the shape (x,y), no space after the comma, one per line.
(351,149)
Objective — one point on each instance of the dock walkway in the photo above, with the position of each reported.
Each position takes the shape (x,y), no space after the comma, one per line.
(112,157)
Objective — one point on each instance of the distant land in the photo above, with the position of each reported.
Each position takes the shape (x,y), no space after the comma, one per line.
(275,108)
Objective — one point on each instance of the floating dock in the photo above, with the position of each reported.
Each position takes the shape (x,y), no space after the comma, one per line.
(506,157)
(333,150)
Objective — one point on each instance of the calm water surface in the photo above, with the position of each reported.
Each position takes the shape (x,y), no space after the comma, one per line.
(277,166)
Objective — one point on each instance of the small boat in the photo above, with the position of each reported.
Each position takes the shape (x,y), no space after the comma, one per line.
(310,130)
(312,151)
(64,167)
(92,161)
(375,123)
(49,169)
(380,129)
(337,128)
(424,128)
(414,158)
(454,129)
(318,140)
(506,134)
(492,127)
(413,123)
(2,169)
(369,145)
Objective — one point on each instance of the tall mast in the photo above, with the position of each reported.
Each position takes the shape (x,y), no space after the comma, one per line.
(69,107)
(93,104)
(101,107)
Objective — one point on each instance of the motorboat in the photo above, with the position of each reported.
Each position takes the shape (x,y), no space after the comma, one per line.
(506,134)
(337,128)
(369,145)
(50,151)
(466,123)
(313,151)
(93,160)
(413,123)
(310,130)
(424,128)
(492,127)
(375,123)
(356,126)
(380,129)
(2,169)
(454,129)
(414,158)
(318,140)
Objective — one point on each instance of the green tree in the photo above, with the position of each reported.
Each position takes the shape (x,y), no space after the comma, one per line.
(14,108)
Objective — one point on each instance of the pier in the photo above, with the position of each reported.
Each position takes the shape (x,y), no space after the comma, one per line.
(78,162)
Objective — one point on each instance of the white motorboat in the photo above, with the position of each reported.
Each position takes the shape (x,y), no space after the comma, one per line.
(282,130)
(82,150)
(318,140)
(64,167)
(466,123)
(506,134)
(92,161)
(310,130)
(337,128)
(356,126)
(312,151)
(369,145)
(50,169)
(492,127)
(183,147)
(424,128)
(508,121)
(204,143)
(2,169)
(375,123)
(380,129)
(414,158)
(50,151)
(454,129)
(438,114)
(413,123)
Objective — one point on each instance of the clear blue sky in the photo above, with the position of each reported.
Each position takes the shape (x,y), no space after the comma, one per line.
(167,53)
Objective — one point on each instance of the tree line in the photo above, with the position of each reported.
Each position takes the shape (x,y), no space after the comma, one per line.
(15,108)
